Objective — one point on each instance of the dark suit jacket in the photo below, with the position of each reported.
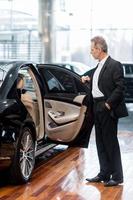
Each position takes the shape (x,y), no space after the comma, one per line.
(111,84)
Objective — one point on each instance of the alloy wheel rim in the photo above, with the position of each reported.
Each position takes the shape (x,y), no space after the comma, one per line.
(27,154)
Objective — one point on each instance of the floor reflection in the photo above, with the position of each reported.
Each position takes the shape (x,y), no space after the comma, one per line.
(61,172)
(103,193)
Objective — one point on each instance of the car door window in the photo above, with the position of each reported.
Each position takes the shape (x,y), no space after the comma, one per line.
(65,79)
(28,94)
(52,83)
(59,81)
(28,82)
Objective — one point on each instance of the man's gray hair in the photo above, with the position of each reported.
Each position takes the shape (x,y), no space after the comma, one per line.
(99,41)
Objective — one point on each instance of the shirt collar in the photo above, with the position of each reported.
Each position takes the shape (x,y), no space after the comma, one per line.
(103,60)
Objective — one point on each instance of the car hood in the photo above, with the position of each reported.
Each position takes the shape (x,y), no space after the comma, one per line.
(5,104)
(9,108)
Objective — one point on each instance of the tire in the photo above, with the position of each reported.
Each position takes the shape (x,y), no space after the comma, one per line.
(24,158)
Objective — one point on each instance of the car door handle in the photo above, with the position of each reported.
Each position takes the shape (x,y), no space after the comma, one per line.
(56,114)
(60,113)
(60,117)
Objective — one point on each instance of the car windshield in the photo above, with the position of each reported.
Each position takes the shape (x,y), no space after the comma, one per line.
(4,68)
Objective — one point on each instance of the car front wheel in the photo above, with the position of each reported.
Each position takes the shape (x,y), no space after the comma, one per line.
(24,158)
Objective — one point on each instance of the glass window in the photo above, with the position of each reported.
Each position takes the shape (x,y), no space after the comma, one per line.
(65,80)
(59,81)
(52,83)
(28,82)
(128,70)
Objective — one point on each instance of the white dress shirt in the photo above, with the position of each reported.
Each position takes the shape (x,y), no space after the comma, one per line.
(95,90)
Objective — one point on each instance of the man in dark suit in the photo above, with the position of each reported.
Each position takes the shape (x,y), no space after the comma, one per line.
(107,90)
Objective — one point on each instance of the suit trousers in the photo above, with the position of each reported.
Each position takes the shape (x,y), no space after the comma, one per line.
(107,142)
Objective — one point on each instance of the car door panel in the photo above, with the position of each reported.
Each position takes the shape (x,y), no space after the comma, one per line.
(63,113)
(79,99)
(64,120)
(64,106)
(66,113)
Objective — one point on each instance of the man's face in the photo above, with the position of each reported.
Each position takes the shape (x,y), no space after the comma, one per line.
(95,51)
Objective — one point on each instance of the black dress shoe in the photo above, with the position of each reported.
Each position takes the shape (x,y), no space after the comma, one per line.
(96,179)
(112,182)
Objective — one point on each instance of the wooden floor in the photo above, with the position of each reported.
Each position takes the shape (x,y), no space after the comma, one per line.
(62,177)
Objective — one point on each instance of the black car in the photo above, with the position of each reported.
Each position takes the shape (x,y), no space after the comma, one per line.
(51,108)
(128,74)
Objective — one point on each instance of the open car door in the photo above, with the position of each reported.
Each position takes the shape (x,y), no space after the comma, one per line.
(68,115)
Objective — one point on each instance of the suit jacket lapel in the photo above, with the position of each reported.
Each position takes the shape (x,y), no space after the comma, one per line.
(104,67)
